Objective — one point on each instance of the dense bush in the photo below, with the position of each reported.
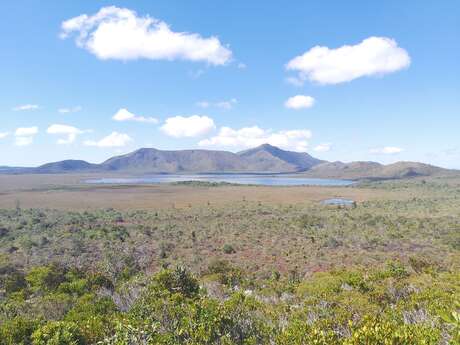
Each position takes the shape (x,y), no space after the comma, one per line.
(58,333)
(386,305)
(17,330)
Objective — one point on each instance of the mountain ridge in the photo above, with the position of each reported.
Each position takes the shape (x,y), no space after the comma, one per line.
(262,159)
(375,171)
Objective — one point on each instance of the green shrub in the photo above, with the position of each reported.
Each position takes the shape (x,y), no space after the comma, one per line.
(58,333)
(226,273)
(380,332)
(17,331)
(228,249)
(14,282)
(179,280)
(452,318)
(94,315)
(45,278)
(300,332)
(396,269)
(78,286)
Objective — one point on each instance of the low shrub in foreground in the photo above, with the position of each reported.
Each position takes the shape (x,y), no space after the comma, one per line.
(390,305)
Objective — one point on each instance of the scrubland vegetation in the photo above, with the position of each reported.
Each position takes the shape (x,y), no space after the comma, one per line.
(384,272)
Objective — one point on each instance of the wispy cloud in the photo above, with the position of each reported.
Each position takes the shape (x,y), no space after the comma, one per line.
(4,135)
(70,110)
(295,81)
(26,131)
(69,132)
(125,115)
(324,147)
(115,139)
(25,107)
(195,74)
(387,150)
(220,104)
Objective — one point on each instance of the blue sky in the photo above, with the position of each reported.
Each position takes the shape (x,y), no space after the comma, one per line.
(382,83)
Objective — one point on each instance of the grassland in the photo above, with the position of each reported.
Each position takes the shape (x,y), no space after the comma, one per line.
(197,264)
(68,192)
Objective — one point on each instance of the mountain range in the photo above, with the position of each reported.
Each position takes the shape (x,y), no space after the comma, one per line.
(262,159)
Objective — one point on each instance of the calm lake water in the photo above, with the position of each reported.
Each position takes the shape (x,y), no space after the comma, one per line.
(253,179)
(338,202)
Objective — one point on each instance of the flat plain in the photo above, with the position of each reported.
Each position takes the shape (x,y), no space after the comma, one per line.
(68,191)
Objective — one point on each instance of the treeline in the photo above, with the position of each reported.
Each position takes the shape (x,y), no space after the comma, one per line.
(416,303)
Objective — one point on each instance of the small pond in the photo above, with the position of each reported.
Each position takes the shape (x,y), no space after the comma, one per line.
(338,202)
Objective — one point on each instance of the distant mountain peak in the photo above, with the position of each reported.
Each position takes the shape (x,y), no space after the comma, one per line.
(268,146)
(273,158)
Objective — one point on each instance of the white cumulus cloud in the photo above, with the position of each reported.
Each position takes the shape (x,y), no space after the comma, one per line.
(115,139)
(125,115)
(299,102)
(373,56)
(247,137)
(192,126)
(387,150)
(119,33)
(75,109)
(69,132)
(26,107)
(324,147)
(24,136)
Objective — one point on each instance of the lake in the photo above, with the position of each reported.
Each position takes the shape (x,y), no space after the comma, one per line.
(244,179)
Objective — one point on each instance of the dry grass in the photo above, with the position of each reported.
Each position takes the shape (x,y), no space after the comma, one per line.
(68,192)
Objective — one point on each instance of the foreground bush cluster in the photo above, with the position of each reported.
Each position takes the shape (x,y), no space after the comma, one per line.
(390,305)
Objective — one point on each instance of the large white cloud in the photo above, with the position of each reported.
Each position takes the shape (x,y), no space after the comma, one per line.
(387,150)
(119,33)
(192,126)
(373,56)
(115,139)
(69,132)
(299,102)
(248,137)
(25,135)
(125,115)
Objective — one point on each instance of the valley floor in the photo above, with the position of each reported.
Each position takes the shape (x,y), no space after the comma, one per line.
(198,264)
(69,192)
